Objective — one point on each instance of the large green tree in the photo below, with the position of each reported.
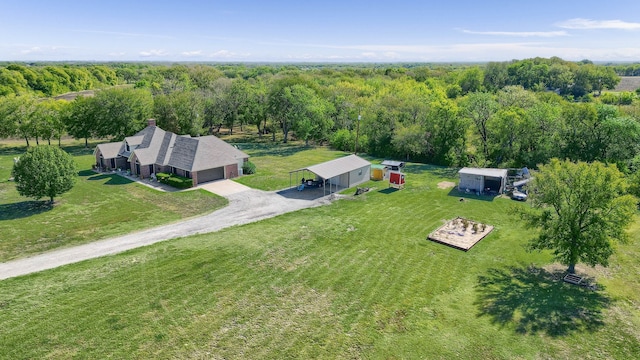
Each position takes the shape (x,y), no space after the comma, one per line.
(121,112)
(579,209)
(44,171)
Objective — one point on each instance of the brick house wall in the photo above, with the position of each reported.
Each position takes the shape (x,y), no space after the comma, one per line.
(231,171)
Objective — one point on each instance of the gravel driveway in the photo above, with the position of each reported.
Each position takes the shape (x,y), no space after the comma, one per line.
(245,206)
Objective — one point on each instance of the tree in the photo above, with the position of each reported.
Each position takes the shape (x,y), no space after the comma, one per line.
(17,116)
(44,171)
(579,208)
(410,140)
(80,118)
(480,107)
(120,112)
(181,112)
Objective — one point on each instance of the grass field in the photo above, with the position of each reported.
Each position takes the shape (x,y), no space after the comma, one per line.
(355,279)
(98,206)
(273,163)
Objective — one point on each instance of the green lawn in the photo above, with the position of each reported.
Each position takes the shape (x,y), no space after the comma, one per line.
(98,206)
(355,279)
(274,162)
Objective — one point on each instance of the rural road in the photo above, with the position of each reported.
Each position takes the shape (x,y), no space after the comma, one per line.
(245,205)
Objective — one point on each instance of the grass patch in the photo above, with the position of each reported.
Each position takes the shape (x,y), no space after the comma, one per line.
(275,161)
(355,279)
(99,206)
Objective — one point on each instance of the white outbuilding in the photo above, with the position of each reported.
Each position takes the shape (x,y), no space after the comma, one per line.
(482,180)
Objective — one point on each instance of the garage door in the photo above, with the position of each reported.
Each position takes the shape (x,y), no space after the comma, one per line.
(210,175)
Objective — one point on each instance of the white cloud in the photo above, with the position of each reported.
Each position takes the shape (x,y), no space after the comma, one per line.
(42,49)
(117,54)
(546,34)
(588,24)
(226,54)
(192,53)
(32,50)
(153,52)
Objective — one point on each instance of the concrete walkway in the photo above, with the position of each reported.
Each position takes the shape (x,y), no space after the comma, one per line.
(245,206)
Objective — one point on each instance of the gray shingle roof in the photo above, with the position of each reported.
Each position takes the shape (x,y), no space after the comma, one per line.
(183,153)
(148,150)
(201,153)
(156,146)
(110,150)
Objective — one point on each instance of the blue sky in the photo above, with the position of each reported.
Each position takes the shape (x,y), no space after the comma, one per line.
(318,31)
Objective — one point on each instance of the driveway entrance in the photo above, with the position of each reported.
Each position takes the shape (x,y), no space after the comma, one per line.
(224,187)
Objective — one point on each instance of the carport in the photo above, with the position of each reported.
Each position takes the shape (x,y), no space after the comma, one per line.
(340,173)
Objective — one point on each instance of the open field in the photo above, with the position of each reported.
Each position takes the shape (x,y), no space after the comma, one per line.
(273,163)
(355,279)
(99,206)
(628,83)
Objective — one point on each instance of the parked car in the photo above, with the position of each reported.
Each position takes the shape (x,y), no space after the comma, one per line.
(520,196)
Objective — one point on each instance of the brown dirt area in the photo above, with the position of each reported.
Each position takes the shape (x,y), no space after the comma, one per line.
(455,234)
(446,185)
(628,83)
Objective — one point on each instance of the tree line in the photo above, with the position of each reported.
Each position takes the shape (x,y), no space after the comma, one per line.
(509,114)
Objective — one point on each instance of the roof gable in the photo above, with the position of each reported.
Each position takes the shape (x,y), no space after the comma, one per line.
(110,150)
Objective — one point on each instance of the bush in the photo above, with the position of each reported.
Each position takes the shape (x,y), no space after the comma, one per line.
(162,177)
(248,168)
(174,180)
(179,182)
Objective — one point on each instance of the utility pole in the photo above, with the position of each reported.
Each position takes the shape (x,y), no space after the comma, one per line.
(355,150)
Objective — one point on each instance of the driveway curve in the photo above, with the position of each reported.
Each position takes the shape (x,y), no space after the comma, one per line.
(244,207)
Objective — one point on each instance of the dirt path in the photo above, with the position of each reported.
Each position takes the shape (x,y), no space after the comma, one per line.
(244,207)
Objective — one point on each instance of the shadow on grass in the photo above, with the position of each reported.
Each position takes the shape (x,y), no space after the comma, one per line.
(113,179)
(86,173)
(259,149)
(460,194)
(439,171)
(23,209)
(12,151)
(79,150)
(537,301)
(388,190)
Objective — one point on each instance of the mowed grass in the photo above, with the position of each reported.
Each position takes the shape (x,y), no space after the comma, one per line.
(274,162)
(99,206)
(354,279)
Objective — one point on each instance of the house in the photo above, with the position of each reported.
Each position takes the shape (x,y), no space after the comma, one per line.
(482,180)
(153,150)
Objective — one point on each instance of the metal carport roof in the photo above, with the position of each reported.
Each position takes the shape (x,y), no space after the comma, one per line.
(330,169)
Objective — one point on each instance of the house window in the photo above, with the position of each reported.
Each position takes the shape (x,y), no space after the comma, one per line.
(187,174)
(126,144)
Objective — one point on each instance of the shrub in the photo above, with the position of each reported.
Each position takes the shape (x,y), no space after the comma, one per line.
(162,177)
(179,182)
(248,168)
(174,180)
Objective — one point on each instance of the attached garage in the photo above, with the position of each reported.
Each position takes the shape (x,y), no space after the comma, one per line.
(210,175)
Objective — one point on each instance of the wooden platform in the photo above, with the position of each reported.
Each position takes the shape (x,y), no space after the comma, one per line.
(453,234)
(573,279)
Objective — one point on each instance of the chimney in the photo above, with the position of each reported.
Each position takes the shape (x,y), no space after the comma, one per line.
(151,122)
